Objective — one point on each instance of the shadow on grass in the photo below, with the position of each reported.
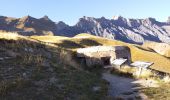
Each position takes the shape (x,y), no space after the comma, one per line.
(89,42)
(70,44)
(150,50)
(53,70)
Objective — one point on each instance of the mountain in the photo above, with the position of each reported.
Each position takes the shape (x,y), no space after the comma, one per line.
(28,25)
(128,30)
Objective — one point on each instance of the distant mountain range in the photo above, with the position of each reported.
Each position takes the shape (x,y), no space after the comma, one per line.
(119,28)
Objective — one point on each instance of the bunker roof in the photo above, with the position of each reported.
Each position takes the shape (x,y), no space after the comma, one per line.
(101,49)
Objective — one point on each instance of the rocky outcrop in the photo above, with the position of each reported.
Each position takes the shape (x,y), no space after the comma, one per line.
(127,30)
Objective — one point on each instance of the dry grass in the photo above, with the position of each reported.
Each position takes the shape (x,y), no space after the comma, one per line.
(50,39)
(38,59)
(29,64)
(160,93)
(160,48)
(70,76)
(138,53)
(9,36)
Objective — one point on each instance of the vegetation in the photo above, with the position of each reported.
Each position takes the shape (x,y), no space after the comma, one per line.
(138,53)
(160,93)
(45,67)
(34,70)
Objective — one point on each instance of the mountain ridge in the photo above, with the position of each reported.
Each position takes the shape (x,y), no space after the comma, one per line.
(119,28)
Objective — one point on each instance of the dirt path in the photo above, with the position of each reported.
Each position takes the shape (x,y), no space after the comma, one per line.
(125,88)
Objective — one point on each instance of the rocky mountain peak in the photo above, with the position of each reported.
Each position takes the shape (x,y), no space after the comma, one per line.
(118,18)
(62,24)
(87,18)
(103,18)
(150,21)
(26,18)
(46,18)
(120,21)
(86,21)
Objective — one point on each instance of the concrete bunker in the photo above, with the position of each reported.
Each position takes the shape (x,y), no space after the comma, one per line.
(103,55)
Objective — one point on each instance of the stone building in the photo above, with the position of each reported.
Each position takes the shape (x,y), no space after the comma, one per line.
(103,55)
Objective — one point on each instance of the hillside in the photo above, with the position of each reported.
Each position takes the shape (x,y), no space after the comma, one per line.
(118,28)
(138,52)
(161,48)
(34,70)
(45,67)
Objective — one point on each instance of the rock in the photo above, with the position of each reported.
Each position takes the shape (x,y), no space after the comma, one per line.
(48,55)
(40,83)
(45,18)
(46,64)
(5,58)
(28,49)
(24,75)
(12,54)
(96,88)
(53,80)
(1,58)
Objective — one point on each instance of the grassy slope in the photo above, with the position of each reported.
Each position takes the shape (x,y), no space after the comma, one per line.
(138,53)
(37,71)
(161,93)
(72,82)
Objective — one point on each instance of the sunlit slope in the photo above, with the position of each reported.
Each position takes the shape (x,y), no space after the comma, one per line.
(84,40)
(51,39)
(160,48)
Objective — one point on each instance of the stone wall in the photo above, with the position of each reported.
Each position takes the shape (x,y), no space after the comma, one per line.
(94,57)
(124,54)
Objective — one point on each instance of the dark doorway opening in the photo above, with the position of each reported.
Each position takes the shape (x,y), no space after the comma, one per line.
(106,60)
(125,57)
(82,60)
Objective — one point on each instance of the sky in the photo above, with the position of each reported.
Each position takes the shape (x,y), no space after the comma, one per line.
(70,11)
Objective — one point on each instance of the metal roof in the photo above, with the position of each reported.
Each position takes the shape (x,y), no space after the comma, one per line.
(118,62)
(142,64)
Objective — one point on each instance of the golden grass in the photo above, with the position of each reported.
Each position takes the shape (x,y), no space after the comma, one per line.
(9,36)
(161,93)
(50,39)
(84,35)
(161,48)
(42,62)
(137,52)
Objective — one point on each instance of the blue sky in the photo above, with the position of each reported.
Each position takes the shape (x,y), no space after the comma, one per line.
(70,11)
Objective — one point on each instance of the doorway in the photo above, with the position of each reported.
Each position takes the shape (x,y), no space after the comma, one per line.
(106,60)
